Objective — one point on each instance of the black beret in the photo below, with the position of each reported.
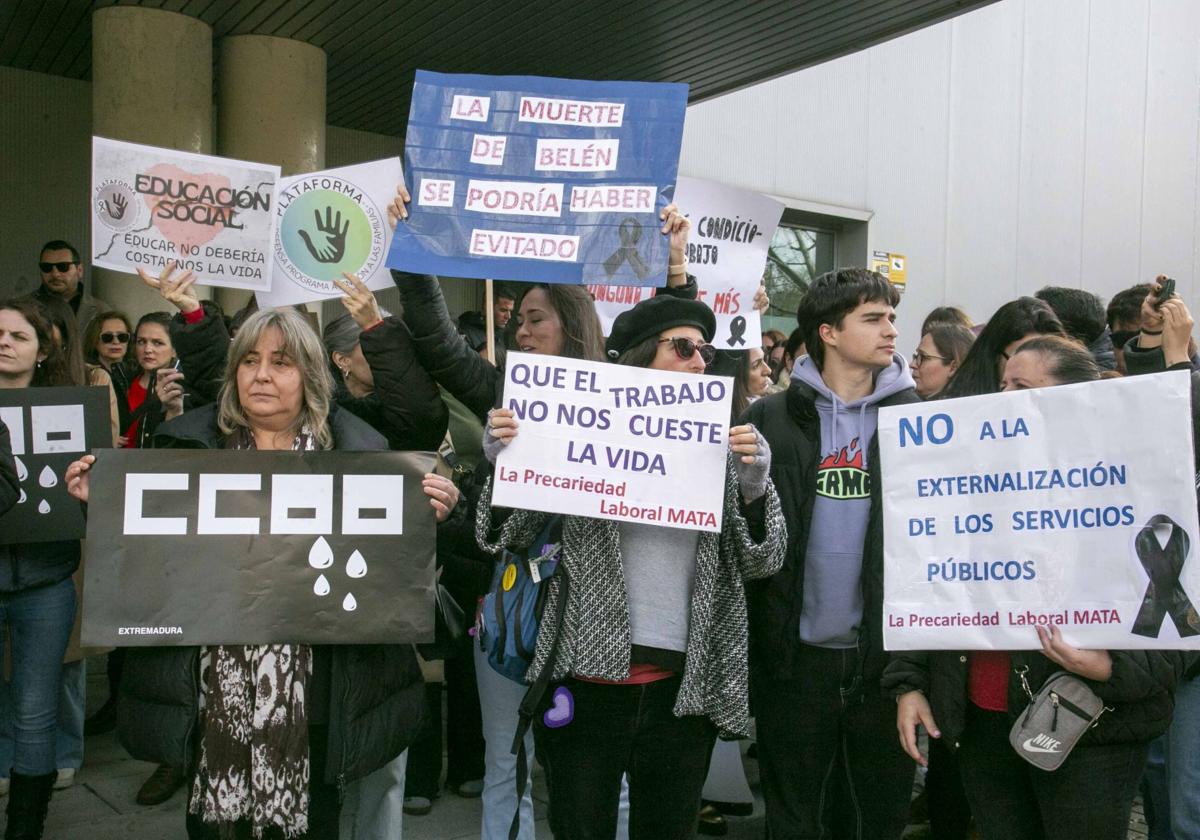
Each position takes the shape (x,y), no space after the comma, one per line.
(655,315)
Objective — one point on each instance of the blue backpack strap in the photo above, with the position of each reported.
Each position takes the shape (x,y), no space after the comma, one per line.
(533,696)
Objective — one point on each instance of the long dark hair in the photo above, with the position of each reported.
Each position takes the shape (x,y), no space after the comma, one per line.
(735,363)
(91,335)
(583,337)
(55,368)
(62,318)
(979,371)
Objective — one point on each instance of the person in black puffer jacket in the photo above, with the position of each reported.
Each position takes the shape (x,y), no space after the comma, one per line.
(361,703)
(970,699)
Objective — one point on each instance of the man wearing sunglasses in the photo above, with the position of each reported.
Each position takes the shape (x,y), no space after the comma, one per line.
(62,276)
(816,647)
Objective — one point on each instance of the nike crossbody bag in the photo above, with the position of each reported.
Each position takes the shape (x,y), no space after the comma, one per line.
(1062,710)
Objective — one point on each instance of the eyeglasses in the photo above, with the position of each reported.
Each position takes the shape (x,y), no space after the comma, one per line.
(919,358)
(685,347)
(63,267)
(110,337)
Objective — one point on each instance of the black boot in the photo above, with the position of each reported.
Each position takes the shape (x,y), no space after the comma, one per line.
(28,801)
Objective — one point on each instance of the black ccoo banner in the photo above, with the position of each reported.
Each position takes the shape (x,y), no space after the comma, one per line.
(246,547)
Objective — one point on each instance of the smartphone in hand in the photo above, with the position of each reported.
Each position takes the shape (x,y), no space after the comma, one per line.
(1166,290)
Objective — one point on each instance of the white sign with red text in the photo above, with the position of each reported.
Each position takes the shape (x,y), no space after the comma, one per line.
(615,442)
(727,252)
(1005,512)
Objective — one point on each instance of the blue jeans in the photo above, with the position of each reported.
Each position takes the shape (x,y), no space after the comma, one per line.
(499,700)
(373,806)
(68,744)
(40,622)
(1183,761)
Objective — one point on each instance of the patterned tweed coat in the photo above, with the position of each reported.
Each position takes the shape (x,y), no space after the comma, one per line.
(595,639)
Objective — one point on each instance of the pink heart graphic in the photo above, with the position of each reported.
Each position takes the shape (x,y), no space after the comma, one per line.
(563,710)
(183,233)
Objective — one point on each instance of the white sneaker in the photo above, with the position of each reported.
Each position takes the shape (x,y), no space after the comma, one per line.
(66,778)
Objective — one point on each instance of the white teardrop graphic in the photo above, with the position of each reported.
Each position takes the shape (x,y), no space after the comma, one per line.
(43,506)
(320,556)
(321,587)
(348,603)
(21,500)
(47,478)
(22,473)
(357,567)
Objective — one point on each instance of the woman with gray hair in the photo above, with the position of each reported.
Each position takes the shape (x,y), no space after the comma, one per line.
(275,774)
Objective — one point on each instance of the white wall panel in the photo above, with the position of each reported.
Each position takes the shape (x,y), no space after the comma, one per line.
(907,163)
(984,147)
(1053,100)
(1024,144)
(1169,173)
(1114,145)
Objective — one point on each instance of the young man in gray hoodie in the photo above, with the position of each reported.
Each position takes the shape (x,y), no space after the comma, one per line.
(828,751)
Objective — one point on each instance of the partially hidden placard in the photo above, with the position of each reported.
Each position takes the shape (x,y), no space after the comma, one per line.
(50,428)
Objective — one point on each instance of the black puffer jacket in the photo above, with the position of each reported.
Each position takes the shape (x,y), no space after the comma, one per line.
(791,426)
(371,696)
(446,354)
(406,405)
(1139,695)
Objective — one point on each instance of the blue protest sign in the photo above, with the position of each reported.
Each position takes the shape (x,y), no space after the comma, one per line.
(548,180)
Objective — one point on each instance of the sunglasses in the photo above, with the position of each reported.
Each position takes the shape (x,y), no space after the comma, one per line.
(63,267)
(685,347)
(110,337)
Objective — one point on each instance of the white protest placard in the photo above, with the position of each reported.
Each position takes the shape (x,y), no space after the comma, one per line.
(211,215)
(727,252)
(1073,505)
(615,442)
(332,222)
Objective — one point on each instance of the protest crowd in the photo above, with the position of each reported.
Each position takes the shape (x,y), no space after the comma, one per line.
(639,651)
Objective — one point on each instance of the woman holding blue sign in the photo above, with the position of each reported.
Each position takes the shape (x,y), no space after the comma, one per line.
(553,320)
(646,658)
(37,598)
(970,700)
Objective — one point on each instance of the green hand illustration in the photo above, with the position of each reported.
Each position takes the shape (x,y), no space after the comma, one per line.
(333,248)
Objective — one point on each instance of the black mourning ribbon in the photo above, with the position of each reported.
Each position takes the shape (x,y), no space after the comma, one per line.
(1164,594)
(737,328)
(630,233)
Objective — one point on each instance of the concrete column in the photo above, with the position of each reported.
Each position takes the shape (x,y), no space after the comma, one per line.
(271,109)
(151,83)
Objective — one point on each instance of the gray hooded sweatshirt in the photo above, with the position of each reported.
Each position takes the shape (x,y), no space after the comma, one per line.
(833,599)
